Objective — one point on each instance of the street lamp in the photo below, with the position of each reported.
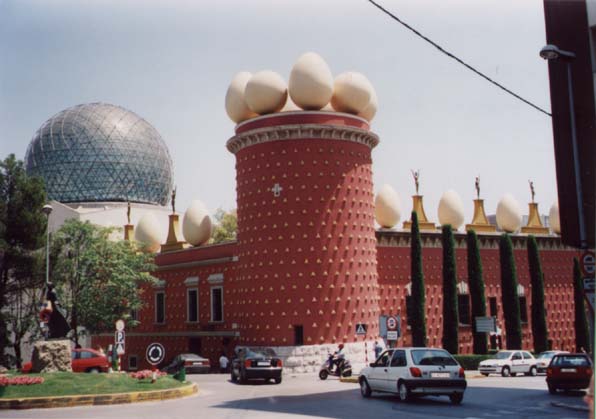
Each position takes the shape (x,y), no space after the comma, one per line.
(47,210)
(552,52)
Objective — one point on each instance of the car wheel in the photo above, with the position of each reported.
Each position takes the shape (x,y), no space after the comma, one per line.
(552,389)
(93,370)
(403,392)
(506,371)
(365,388)
(456,398)
(348,373)
(277,380)
(484,373)
(233,377)
(532,372)
(323,374)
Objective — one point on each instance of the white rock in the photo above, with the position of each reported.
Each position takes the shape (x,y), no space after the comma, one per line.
(509,216)
(236,106)
(351,93)
(266,92)
(371,109)
(387,207)
(147,232)
(553,218)
(196,224)
(311,82)
(451,209)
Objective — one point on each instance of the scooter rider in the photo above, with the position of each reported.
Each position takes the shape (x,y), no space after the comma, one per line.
(338,358)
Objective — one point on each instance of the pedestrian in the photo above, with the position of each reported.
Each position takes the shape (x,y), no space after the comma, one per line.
(378,349)
(223,363)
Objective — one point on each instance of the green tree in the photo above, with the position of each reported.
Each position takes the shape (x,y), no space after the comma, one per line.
(582,336)
(418,320)
(450,309)
(22,228)
(476,283)
(539,330)
(226,226)
(99,280)
(509,294)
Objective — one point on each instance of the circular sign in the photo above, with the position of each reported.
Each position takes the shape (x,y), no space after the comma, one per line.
(155,353)
(391,323)
(588,263)
(120,325)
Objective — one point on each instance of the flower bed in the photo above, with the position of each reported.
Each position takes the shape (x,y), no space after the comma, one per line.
(19,380)
(140,375)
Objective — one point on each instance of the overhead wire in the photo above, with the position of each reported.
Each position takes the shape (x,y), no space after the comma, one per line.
(459,60)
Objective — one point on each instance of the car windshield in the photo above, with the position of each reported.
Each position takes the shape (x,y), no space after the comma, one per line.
(546,355)
(571,361)
(432,357)
(503,355)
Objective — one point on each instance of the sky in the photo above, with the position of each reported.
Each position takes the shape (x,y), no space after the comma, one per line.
(171,63)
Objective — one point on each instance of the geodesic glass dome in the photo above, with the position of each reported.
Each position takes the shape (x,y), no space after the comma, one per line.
(98,153)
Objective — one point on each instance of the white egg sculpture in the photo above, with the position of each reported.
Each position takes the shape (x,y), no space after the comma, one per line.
(509,216)
(371,109)
(311,82)
(553,218)
(147,232)
(351,93)
(387,207)
(451,210)
(266,92)
(236,106)
(196,224)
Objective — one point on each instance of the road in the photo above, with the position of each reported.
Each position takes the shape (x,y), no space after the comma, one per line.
(307,396)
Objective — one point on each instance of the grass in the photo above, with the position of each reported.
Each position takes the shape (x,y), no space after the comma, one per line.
(70,384)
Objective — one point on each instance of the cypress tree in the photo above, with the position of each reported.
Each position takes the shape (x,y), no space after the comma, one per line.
(539,330)
(450,313)
(418,320)
(509,294)
(582,339)
(476,284)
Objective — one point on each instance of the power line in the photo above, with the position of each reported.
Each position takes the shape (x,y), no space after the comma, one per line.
(469,67)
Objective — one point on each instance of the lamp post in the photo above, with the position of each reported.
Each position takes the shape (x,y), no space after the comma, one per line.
(552,52)
(47,210)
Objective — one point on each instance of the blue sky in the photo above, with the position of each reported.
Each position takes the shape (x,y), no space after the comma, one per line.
(171,62)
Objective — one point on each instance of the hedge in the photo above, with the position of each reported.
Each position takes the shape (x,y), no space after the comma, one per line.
(470,362)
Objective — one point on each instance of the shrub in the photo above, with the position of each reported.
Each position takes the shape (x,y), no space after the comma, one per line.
(476,283)
(539,328)
(418,320)
(509,296)
(470,362)
(450,314)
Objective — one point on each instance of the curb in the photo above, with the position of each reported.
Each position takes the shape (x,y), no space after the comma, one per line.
(98,399)
(575,407)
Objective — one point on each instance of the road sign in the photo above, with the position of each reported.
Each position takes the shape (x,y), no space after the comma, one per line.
(392,335)
(155,353)
(588,263)
(361,329)
(486,324)
(120,325)
(119,339)
(391,323)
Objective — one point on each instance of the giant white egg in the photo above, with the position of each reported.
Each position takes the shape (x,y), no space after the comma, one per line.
(311,82)
(266,92)
(371,109)
(451,210)
(509,216)
(148,232)
(236,106)
(387,207)
(553,218)
(351,93)
(196,224)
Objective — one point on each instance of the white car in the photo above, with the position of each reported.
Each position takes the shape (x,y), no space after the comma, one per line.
(509,363)
(544,358)
(411,372)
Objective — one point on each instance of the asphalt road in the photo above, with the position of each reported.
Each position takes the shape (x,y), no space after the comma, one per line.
(307,396)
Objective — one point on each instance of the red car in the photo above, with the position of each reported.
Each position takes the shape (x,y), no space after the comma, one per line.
(83,360)
(568,372)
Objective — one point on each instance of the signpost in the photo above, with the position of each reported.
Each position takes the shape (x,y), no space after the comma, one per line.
(119,341)
(393,324)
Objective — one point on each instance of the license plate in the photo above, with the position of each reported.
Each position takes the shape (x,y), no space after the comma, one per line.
(439,375)
(197,363)
(568,370)
(264,364)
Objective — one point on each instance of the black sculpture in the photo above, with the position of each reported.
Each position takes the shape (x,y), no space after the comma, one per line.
(57,325)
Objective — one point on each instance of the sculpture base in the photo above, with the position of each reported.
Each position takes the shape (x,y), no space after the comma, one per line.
(481,228)
(170,247)
(421,225)
(535,230)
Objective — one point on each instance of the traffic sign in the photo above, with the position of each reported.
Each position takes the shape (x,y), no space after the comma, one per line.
(120,325)
(119,339)
(392,335)
(155,353)
(361,329)
(588,263)
(486,324)
(391,323)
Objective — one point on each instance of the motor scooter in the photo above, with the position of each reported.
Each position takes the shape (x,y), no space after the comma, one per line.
(343,370)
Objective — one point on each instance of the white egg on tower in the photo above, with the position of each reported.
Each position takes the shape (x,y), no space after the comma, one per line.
(387,207)
(236,106)
(509,216)
(351,93)
(266,92)
(451,210)
(311,82)
(196,224)
(148,232)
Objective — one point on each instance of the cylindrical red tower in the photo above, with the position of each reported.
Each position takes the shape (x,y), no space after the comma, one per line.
(307,250)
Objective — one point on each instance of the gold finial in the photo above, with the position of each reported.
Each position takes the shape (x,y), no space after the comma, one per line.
(128,211)
(416,175)
(477,185)
(174,200)
(532,191)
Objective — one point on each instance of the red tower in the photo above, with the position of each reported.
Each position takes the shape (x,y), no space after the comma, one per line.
(306,241)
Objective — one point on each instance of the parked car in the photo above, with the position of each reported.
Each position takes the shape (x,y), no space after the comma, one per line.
(569,372)
(411,372)
(544,358)
(509,363)
(193,364)
(253,363)
(83,360)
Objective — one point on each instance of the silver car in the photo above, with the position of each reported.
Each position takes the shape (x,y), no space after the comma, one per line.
(412,372)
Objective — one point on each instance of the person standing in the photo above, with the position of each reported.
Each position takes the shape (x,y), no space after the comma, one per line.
(377,348)
(223,363)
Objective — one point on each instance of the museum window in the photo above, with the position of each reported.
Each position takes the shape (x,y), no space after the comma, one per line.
(298,335)
(217,304)
(192,305)
(132,362)
(160,307)
(463,308)
(492,302)
(523,309)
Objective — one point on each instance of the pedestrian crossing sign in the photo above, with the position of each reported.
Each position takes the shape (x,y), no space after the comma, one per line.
(361,329)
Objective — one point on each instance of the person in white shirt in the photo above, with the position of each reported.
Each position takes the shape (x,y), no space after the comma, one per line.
(223,363)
